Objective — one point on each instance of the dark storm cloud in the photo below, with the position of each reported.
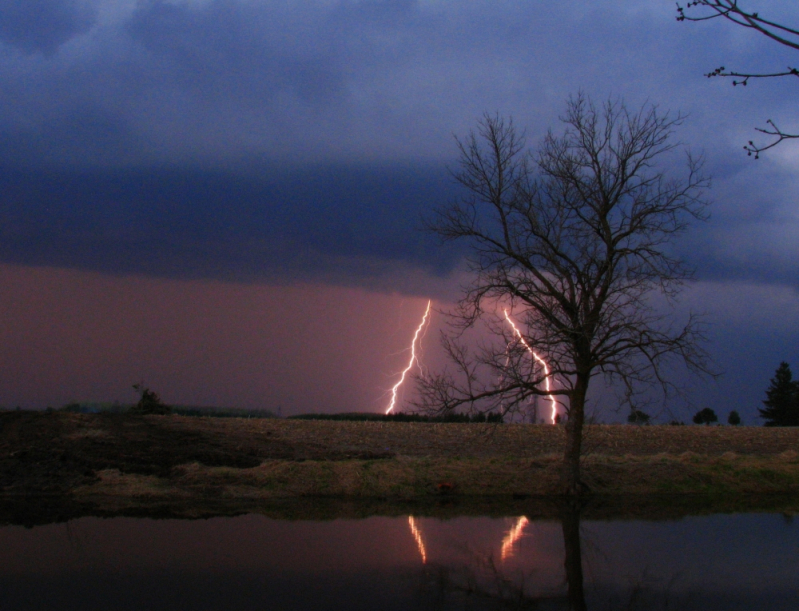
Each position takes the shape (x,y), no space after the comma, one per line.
(189,223)
(753,232)
(43,25)
(231,49)
(226,133)
(293,82)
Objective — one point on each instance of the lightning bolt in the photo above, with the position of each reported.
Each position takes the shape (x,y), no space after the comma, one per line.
(541,362)
(418,536)
(411,362)
(514,534)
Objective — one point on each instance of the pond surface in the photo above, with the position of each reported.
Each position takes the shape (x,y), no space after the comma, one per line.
(724,562)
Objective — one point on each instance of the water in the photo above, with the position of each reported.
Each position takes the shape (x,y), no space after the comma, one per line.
(724,562)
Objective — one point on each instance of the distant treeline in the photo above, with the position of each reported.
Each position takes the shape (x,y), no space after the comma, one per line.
(221,412)
(95,408)
(403,417)
(235,412)
(180,410)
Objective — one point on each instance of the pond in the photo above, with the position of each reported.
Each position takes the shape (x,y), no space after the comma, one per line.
(730,562)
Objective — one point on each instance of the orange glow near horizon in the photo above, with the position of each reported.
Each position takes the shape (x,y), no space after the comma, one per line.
(514,534)
(417,535)
(411,361)
(542,362)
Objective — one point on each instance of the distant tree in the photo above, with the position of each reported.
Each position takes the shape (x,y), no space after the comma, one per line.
(149,402)
(782,399)
(731,10)
(734,418)
(705,416)
(638,417)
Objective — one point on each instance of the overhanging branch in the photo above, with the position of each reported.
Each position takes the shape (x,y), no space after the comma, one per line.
(782,34)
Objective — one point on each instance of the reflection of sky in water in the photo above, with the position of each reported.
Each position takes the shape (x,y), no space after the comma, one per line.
(251,562)
(742,561)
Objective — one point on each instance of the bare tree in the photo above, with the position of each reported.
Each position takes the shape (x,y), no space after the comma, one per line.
(574,241)
(704,10)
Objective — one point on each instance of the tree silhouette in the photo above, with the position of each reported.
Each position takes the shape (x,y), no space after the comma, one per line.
(732,11)
(782,399)
(149,402)
(734,418)
(638,417)
(705,416)
(574,241)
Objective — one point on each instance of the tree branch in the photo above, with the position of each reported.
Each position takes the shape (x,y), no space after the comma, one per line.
(775,131)
(784,35)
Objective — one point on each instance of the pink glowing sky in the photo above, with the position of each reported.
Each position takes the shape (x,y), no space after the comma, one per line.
(83,336)
(70,335)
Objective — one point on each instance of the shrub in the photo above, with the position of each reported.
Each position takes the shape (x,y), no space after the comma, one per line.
(638,417)
(705,416)
(149,402)
(734,418)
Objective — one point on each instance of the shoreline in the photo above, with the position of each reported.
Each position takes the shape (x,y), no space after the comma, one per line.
(31,511)
(155,459)
(404,478)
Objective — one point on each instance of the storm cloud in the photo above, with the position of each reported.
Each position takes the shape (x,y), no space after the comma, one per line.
(223,138)
(43,25)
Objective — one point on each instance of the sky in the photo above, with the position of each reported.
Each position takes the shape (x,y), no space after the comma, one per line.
(224,198)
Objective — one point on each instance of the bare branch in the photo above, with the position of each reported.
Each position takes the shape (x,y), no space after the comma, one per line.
(730,10)
(746,76)
(782,34)
(780,135)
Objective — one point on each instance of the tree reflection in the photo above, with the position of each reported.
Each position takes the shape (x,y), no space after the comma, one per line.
(482,583)
(573,562)
(483,580)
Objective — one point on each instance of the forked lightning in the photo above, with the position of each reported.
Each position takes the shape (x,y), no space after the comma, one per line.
(541,362)
(410,362)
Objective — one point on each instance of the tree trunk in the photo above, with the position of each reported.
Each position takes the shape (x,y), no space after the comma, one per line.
(571,483)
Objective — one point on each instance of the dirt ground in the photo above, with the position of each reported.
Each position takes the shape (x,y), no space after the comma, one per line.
(58,452)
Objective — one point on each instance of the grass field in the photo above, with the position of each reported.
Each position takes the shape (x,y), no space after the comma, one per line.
(175,457)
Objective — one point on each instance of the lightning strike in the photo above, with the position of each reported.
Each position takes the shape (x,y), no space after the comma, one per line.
(412,361)
(418,536)
(542,362)
(514,534)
